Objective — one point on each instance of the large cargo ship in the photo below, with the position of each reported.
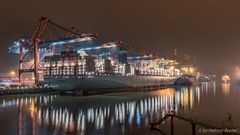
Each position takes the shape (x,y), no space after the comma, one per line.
(106,67)
(78,61)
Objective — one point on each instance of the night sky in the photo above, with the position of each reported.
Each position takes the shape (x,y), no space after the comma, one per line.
(206,29)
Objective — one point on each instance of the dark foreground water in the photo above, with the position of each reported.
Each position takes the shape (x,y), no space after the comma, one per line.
(118,113)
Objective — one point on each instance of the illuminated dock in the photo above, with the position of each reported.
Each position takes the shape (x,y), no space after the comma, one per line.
(77,61)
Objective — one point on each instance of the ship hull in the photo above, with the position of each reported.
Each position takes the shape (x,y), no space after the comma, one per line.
(109,82)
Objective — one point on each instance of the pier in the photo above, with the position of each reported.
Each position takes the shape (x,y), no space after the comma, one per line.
(79,92)
(27,91)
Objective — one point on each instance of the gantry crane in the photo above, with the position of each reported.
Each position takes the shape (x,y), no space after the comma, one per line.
(42,35)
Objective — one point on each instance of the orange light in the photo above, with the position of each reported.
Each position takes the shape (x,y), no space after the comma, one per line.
(226,78)
(12,73)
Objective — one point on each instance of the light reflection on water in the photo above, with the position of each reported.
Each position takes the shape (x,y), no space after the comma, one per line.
(125,115)
(226,88)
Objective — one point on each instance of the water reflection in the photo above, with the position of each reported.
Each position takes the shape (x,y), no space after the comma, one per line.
(226,88)
(124,115)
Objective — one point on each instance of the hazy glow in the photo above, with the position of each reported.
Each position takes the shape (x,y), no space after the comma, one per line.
(226,78)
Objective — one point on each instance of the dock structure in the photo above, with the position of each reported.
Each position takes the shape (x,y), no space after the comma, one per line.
(194,121)
(28,91)
(77,92)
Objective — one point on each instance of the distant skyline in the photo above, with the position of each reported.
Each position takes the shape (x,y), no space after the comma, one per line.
(207,30)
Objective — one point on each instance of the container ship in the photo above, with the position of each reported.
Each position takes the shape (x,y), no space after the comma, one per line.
(79,61)
(82,71)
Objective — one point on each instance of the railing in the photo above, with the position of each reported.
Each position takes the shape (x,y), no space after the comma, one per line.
(194,121)
(197,120)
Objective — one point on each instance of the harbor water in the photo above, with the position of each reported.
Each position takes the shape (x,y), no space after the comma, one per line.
(125,113)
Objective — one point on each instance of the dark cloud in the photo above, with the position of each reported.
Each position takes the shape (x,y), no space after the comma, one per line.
(206,29)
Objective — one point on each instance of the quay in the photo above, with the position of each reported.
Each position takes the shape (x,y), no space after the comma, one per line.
(26,91)
(78,92)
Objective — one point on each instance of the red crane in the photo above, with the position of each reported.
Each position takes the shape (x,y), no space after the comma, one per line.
(45,30)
